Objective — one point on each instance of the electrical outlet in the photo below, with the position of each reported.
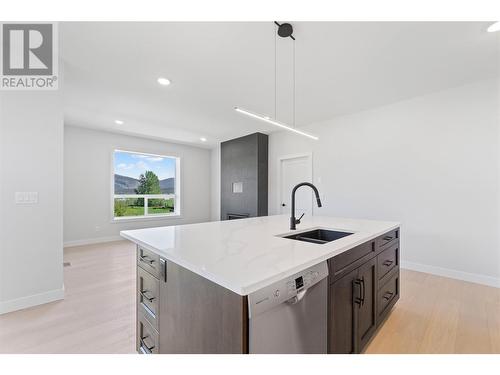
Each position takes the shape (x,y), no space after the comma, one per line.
(26,197)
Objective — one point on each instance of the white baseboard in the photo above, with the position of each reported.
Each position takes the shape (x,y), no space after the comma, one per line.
(92,241)
(452,274)
(30,301)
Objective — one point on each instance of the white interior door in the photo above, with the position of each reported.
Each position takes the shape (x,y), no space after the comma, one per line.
(294,170)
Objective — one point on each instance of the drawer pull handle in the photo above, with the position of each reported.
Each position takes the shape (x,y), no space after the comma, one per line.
(388,238)
(146,259)
(163,264)
(145,346)
(361,299)
(143,293)
(388,295)
(364,290)
(388,262)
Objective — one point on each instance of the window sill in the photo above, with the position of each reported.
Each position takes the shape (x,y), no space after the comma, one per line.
(123,219)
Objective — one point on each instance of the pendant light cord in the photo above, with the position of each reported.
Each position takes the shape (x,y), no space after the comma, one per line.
(294,83)
(275,74)
(276,78)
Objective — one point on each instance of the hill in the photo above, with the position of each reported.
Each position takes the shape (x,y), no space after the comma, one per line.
(127,185)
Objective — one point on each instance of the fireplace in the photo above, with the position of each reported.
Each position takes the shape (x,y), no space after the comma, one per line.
(236,216)
(244,177)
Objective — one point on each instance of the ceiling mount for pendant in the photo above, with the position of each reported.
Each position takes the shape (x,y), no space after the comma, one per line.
(285,30)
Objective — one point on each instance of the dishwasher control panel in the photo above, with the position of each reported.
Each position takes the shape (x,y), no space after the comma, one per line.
(302,282)
(287,289)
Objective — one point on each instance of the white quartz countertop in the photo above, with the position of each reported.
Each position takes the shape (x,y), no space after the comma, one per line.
(248,254)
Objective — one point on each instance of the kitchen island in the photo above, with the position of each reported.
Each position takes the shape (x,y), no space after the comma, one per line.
(194,280)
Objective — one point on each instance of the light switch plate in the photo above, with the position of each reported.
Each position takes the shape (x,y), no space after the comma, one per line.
(26,197)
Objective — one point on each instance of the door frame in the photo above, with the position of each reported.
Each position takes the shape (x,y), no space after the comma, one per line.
(308,155)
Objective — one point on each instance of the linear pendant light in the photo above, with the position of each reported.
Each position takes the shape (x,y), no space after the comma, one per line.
(274,122)
(285,30)
(494,27)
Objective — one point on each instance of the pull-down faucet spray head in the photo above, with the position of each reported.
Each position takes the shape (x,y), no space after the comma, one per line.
(318,201)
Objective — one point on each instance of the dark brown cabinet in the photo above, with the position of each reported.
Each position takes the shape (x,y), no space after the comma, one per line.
(179,311)
(353,313)
(365,310)
(362,292)
(341,315)
(388,294)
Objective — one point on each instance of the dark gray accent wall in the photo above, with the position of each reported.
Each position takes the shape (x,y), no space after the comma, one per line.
(244,160)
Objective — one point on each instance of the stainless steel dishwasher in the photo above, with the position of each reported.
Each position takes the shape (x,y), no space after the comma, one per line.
(290,316)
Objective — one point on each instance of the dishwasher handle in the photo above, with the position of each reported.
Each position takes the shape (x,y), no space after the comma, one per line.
(296,299)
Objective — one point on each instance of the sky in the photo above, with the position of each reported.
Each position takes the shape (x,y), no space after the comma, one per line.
(132,165)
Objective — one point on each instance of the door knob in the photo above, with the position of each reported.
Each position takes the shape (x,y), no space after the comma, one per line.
(283,205)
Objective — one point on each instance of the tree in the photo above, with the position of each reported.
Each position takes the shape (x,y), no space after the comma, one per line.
(120,207)
(148,184)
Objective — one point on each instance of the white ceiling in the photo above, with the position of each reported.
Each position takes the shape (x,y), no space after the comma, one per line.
(110,72)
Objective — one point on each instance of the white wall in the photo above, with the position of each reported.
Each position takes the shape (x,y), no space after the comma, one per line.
(498,133)
(87,184)
(215,184)
(31,159)
(431,163)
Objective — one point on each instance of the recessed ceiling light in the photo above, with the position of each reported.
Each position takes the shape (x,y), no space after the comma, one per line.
(203,139)
(119,122)
(163,81)
(494,27)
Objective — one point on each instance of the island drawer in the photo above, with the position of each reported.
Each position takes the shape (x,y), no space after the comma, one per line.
(148,261)
(147,337)
(387,238)
(341,264)
(388,294)
(148,295)
(387,260)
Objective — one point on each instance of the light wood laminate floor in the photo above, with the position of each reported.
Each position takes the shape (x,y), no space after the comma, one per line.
(97,314)
(434,314)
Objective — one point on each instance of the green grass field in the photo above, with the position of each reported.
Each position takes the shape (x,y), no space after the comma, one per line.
(160,210)
(135,207)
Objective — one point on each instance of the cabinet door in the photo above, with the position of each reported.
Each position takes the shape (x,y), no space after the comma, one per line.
(366,309)
(341,325)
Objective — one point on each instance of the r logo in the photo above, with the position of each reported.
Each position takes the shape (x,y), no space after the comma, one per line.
(27,49)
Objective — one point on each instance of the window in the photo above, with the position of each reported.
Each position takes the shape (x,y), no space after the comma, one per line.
(145,185)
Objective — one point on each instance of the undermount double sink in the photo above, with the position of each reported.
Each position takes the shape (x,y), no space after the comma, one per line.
(318,236)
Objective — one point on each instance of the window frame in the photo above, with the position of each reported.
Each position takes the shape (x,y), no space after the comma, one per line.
(177,194)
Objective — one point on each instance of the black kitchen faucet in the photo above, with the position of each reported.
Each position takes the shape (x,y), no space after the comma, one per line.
(293,220)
